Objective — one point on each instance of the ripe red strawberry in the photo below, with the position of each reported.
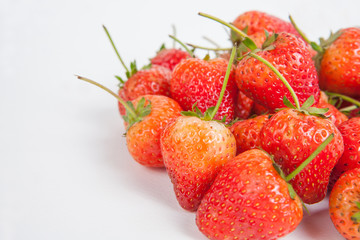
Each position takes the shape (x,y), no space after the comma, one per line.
(344,204)
(350,159)
(291,58)
(169,58)
(248,200)
(243,106)
(256,22)
(247,133)
(153,81)
(291,136)
(194,151)
(143,137)
(339,70)
(199,81)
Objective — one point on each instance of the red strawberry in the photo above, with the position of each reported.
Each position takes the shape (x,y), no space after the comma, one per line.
(143,137)
(339,70)
(243,106)
(256,22)
(248,200)
(247,133)
(291,136)
(153,81)
(169,58)
(194,151)
(199,81)
(350,159)
(291,58)
(344,204)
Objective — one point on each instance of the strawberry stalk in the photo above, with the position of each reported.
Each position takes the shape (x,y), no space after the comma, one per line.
(208,48)
(227,74)
(310,158)
(344,97)
(183,45)
(245,38)
(114,47)
(133,115)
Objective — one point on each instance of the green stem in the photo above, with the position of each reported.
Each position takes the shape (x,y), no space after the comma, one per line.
(282,78)
(310,158)
(246,39)
(113,45)
(228,70)
(302,34)
(211,41)
(174,34)
(344,97)
(182,44)
(130,111)
(207,48)
(348,109)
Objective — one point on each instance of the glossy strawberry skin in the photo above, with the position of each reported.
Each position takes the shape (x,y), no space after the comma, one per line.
(293,61)
(169,58)
(333,114)
(247,133)
(342,204)
(199,81)
(339,68)
(248,200)
(194,151)
(291,136)
(143,138)
(350,159)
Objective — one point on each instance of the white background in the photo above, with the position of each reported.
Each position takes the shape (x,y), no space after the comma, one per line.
(65,172)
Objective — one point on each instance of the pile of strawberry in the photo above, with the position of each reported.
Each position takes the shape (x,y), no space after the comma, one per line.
(251,136)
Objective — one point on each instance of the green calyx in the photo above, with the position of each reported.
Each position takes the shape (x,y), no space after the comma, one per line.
(356,216)
(306,107)
(133,115)
(210,113)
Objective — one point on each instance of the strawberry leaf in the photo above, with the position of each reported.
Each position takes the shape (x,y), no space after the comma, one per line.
(141,111)
(356,216)
(288,103)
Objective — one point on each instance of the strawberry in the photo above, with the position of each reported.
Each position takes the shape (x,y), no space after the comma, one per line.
(145,119)
(350,131)
(153,81)
(194,151)
(169,58)
(247,133)
(256,22)
(344,204)
(291,58)
(291,136)
(248,200)
(338,60)
(143,137)
(243,106)
(195,147)
(200,81)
